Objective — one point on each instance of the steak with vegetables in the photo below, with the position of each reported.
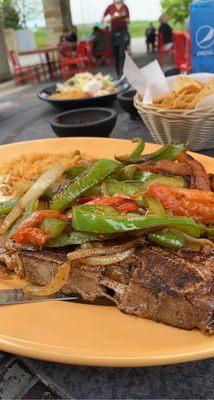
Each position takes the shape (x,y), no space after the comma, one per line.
(138,230)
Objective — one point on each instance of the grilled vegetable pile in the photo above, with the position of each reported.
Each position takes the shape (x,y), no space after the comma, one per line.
(165,197)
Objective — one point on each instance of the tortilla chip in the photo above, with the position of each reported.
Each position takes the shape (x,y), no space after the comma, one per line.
(183,82)
(206,91)
(210,83)
(186,94)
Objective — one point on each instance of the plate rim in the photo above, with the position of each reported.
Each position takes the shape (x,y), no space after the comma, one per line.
(25,350)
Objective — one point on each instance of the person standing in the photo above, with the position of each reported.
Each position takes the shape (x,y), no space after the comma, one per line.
(150,37)
(166,31)
(118,14)
(99,40)
(72,38)
(99,43)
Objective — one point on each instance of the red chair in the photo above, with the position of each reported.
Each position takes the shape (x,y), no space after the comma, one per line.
(71,65)
(89,55)
(23,74)
(55,65)
(162,51)
(85,52)
(65,49)
(81,49)
(182,47)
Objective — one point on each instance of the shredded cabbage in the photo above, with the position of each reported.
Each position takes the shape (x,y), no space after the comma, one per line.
(88,83)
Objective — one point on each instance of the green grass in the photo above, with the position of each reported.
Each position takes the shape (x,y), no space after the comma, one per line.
(136,28)
(40,37)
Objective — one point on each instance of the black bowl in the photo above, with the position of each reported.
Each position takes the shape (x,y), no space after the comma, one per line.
(69,104)
(84,122)
(126,100)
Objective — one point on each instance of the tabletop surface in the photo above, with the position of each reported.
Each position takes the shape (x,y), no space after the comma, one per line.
(39,50)
(25,118)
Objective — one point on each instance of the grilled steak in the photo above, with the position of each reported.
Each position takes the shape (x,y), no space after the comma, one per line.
(199,178)
(154,283)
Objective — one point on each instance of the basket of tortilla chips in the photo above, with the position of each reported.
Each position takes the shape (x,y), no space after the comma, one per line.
(185,114)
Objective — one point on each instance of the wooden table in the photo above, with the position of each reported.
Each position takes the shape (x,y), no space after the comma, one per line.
(46,51)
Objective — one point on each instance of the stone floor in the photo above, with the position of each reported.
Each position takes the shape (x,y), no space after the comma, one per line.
(22,378)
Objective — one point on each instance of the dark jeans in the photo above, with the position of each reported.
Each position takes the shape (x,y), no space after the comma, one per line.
(152,43)
(119,46)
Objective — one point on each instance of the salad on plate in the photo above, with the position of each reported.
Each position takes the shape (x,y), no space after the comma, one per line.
(84,85)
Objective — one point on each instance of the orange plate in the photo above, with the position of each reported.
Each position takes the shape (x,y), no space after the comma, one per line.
(88,334)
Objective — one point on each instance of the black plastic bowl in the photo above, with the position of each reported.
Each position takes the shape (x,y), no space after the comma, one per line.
(84,122)
(69,104)
(126,100)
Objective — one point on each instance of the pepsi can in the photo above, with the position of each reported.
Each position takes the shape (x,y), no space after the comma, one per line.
(202,35)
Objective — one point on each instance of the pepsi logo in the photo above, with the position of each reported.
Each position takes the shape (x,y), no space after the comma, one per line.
(205,36)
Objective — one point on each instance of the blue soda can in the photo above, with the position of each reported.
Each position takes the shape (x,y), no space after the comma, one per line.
(202,35)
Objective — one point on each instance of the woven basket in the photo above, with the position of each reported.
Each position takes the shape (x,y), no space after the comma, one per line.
(192,127)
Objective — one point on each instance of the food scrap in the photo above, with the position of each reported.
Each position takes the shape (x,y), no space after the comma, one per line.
(186,94)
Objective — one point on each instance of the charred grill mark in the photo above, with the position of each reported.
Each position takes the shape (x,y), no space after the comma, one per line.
(162,270)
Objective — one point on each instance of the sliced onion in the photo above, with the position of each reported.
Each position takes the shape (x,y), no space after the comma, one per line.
(53,286)
(93,252)
(195,244)
(87,245)
(107,260)
(91,245)
(104,189)
(199,241)
(33,193)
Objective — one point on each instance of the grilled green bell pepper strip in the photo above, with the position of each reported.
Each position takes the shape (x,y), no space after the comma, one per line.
(126,187)
(136,187)
(53,227)
(144,176)
(7,206)
(155,206)
(105,219)
(177,181)
(31,207)
(168,152)
(90,177)
(75,171)
(125,173)
(135,154)
(95,190)
(167,239)
(150,177)
(139,148)
(72,238)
